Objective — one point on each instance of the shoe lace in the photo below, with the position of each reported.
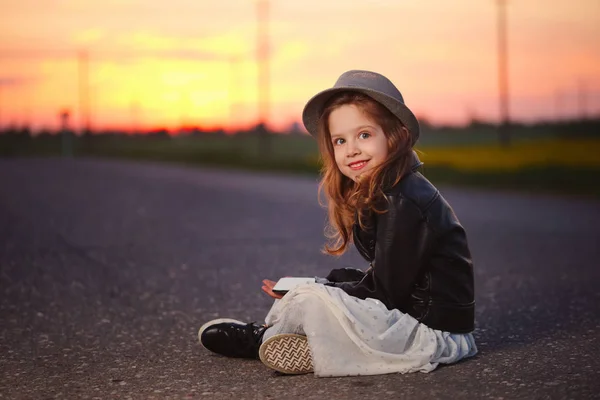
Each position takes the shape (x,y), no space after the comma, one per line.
(249,334)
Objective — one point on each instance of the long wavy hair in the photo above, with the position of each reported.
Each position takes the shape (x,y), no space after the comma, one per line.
(348,201)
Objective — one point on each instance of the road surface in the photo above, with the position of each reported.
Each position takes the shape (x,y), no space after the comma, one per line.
(108,268)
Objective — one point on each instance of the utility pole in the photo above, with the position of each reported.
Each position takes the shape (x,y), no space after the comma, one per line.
(84,93)
(233,85)
(262,55)
(134,108)
(1,104)
(559,105)
(66,135)
(582,100)
(504,127)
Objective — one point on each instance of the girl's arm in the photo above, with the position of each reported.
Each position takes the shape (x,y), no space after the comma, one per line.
(345,275)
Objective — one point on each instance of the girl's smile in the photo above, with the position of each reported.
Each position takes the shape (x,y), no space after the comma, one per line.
(359,144)
(357,165)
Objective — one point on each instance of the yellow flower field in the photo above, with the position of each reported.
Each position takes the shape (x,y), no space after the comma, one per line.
(581,153)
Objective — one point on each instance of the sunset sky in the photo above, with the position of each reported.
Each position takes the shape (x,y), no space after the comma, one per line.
(187,62)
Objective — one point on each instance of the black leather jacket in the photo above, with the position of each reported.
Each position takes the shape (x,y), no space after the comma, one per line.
(420,259)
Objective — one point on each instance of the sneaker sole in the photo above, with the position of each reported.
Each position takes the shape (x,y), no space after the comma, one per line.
(287,353)
(214,322)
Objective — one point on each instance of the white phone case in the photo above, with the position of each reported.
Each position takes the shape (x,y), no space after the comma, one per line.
(287,284)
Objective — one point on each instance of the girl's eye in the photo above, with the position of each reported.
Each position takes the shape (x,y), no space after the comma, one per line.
(364,135)
(338,141)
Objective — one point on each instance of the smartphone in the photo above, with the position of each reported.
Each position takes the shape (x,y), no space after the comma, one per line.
(286,284)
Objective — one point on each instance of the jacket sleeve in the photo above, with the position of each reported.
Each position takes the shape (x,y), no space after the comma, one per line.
(401,244)
(345,275)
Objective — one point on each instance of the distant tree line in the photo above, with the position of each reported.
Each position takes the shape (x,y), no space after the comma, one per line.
(571,128)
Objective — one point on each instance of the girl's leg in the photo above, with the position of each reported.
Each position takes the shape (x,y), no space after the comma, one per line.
(285,346)
(289,321)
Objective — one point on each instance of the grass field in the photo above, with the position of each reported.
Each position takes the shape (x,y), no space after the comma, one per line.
(543,163)
(581,153)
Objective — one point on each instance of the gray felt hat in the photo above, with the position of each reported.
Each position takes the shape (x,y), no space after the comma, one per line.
(372,84)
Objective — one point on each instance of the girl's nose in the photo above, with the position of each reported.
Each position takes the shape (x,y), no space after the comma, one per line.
(351,149)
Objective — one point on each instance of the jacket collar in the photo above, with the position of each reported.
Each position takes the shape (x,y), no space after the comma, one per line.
(415,162)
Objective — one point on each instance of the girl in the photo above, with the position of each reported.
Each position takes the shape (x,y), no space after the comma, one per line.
(414,306)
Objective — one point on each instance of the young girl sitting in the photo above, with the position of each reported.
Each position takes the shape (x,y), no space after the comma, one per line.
(414,307)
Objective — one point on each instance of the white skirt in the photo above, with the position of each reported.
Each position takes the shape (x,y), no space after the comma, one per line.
(349,336)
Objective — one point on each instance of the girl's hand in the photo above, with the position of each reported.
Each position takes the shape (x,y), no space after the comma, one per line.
(268,289)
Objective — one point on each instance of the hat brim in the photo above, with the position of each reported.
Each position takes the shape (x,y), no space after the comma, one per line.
(314,108)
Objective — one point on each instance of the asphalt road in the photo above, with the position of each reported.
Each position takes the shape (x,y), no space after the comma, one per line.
(108,268)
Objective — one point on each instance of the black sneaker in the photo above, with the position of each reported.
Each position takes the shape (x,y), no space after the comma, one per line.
(232,338)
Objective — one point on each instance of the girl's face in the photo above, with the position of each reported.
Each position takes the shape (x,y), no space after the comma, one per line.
(359,144)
